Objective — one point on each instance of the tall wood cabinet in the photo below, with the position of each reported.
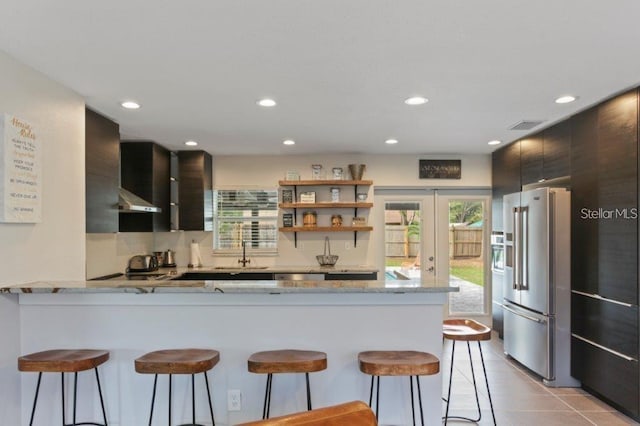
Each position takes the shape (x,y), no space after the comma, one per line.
(195,191)
(102,173)
(604,230)
(505,177)
(144,170)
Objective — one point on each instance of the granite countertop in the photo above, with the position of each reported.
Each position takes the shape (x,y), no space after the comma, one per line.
(296,269)
(256,287)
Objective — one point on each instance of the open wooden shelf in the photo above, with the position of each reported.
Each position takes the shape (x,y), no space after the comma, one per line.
(323,182)
(325,228)
(325,205)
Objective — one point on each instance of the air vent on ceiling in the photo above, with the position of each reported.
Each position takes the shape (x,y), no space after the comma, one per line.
(526,124)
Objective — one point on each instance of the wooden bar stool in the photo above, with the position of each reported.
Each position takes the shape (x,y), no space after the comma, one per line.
(179,361)
(467,330)
(65,361)
(286,361)
(398,363)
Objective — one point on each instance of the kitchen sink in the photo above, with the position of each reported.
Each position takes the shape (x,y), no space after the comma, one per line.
(243,268)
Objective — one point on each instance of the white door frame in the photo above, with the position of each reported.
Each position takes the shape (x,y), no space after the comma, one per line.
(434,217)
(442,214)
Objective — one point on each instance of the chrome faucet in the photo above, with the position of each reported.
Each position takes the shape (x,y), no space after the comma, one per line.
(244,259)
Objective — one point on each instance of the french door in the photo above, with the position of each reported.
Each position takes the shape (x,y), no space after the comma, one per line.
(442,234)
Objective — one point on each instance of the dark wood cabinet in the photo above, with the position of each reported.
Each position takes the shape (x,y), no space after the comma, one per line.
(144,170)
(556,156)
(102,173)
(606,374)
(604,251)
(505,178)
(546,155)
(604,182)
(195,191)
(531,159)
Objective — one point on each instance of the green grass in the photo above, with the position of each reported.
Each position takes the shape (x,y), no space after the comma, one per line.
(473,274)
(396,261)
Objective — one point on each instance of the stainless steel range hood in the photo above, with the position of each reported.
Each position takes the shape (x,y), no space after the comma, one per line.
(129,202)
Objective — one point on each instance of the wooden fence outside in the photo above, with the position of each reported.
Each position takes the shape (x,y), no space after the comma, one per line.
(464,242)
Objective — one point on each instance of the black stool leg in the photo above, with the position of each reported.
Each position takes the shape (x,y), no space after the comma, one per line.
(377,397)
(35,400)
(308,392)
(413,411)
(420,400)
(193,399)
(64,419)
(75,395)
(475,385)
(371,391)
(446,415)
(206,381)
(413,415)
(170,399)
(486,379)
(104,413)
(267,397)
(153,398)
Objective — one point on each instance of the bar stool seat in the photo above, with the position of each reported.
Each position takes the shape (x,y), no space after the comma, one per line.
(467,330)
(179,361)
(286,361)
(65,361)
(398,363)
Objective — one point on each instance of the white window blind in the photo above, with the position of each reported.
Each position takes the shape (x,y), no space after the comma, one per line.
(245,215)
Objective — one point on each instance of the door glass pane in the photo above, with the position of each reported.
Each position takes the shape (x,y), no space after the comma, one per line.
(402,240)
(466,256)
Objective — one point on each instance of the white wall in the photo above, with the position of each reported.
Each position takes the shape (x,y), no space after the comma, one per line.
(384,170)
(55,248)
(110,253)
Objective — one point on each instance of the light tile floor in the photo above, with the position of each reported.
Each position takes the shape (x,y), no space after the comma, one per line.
(519,398)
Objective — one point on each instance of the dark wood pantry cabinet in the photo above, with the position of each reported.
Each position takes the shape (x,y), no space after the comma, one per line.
(598,150)
(144,170)
(505,177)
(195,191)
(604,257)
(102,173)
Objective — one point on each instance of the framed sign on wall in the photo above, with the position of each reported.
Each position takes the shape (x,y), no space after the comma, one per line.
(440,169)
(20,171)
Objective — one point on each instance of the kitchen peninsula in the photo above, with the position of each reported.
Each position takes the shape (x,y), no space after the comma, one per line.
(339,317)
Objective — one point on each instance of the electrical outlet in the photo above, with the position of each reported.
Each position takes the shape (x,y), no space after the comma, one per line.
(234,400)
(347,245)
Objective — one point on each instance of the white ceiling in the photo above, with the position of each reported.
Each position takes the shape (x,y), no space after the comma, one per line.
(339,69)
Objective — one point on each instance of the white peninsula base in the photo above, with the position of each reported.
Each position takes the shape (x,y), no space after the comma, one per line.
(237,325)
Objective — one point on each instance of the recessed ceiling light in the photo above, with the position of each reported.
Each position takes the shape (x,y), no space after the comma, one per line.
(416,100)
(391,141)
(289,142)
(565,99)
(267,102)
(494,142)
(130,105)
(191,143)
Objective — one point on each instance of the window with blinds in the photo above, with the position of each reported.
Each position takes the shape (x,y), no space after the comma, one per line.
(245,215)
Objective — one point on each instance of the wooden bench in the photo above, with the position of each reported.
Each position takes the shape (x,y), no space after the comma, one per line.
(355,413)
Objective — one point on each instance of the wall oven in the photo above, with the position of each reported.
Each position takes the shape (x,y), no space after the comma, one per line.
(497,252)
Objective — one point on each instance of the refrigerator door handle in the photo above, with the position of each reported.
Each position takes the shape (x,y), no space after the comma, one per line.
(524,237)
(520,314)
(516,248)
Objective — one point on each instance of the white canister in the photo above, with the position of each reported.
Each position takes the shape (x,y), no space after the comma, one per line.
(335,195)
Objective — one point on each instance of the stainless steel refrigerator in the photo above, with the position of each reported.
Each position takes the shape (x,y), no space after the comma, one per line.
(537,282)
